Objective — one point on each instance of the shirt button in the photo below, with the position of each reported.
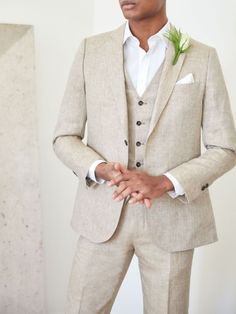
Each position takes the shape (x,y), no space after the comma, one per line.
(138,122)
(138,143)
(140,103)
(138,164)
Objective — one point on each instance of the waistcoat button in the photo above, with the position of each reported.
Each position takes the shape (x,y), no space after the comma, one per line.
(138,122)
(140,103)
(126,143)
(138,143)
(138,164)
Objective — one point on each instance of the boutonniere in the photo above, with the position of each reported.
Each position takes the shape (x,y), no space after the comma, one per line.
(180,41)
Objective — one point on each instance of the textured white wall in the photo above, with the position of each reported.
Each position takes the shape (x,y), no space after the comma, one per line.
(21,262)
(58,26)
(213,283)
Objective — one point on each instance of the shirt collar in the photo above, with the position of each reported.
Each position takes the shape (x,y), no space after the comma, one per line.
(152,40)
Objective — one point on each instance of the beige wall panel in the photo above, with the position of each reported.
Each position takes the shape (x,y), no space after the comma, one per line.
(21,258)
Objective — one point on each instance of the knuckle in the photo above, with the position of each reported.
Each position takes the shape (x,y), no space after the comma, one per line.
(123,184)
(140,196)
(129,190)
(123,194)
(114,179)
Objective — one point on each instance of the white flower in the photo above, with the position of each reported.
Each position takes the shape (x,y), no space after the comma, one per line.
(181,42)
(184,41)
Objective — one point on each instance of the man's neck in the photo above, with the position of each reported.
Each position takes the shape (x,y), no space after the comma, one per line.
(143,29)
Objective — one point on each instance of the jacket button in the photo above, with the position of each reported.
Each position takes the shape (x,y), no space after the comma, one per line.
(138,122)
(126,143)
(138,143)
(207,185)
(203,187)
(140,103)
(138,164)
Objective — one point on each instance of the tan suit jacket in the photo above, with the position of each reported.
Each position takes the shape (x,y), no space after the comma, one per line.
(95,93)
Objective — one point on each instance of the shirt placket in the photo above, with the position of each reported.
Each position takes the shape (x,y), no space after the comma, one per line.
(142,71)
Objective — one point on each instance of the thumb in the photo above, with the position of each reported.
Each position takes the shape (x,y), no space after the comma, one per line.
(119,167)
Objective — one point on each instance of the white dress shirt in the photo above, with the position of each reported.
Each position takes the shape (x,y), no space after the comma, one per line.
(142,66)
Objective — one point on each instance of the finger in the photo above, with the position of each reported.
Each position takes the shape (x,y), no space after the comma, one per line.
(122,186)
(115,173)
(119,167)
(147,202)
(123,194)
(144,200)
(141,201)
(117,179)
(134,194)
(136,198)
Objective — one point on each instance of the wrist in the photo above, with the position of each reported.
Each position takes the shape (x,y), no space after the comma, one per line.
(99,170)
(167,184)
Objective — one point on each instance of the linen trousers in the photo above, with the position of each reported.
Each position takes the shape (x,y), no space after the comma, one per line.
(98,269)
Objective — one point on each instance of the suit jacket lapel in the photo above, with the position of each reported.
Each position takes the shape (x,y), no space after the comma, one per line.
(117,77)
(167,82)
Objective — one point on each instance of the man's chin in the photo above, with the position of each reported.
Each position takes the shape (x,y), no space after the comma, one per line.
(133,16)
(130,16)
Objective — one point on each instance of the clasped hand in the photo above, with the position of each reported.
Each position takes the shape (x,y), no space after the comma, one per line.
(141,187)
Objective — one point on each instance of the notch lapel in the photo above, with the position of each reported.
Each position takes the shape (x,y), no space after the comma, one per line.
(117,77)
(167,82)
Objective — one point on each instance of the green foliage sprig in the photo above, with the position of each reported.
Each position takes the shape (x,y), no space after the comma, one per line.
(180,41)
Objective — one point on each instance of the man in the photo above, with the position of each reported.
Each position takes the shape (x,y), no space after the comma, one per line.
(143,181)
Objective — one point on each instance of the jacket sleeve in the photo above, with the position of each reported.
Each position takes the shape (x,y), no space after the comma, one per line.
(70,127)
(218,133)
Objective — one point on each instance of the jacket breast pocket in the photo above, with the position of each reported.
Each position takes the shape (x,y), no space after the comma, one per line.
(185,100)
(186,90)
(189,93)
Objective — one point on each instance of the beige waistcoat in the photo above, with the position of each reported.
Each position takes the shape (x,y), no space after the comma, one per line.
(140,110)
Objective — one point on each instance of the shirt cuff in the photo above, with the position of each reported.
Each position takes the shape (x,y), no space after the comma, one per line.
(178,189)
(91,172)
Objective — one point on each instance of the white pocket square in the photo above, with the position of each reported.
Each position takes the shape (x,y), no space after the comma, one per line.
(188,79)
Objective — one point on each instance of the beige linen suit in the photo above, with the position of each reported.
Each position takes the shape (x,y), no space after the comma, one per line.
(95,93)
